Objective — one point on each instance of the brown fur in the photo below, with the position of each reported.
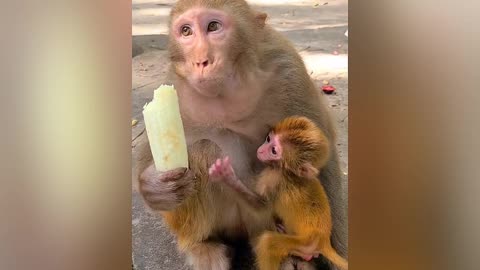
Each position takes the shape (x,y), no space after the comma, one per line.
(271,84)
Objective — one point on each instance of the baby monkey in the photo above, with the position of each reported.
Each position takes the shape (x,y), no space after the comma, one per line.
(292,151)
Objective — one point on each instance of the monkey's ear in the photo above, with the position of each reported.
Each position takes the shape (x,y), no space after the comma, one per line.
(260,18)
(307,170)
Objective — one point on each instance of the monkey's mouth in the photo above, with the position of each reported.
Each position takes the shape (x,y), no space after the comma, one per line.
(209,87)
(259,157)
(213,81)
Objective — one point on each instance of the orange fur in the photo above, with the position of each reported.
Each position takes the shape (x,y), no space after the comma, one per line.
(304,143)
(299,200)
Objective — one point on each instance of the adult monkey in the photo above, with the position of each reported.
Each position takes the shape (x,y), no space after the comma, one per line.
(236,77)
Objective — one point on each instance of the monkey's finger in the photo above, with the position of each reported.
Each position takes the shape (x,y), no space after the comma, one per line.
(226,162)
(155,198)
(174,174)
(162,202)
(148,188)
(213,167)
(152,175)
(184,186)
(280,228)
(166,195)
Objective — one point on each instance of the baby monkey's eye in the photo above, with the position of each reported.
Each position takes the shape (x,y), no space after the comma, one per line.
(268,138)
(274,151)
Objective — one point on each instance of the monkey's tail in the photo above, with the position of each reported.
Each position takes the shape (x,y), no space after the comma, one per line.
(330,253)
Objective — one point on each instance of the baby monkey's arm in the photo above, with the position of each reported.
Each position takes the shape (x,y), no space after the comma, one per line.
(222,171)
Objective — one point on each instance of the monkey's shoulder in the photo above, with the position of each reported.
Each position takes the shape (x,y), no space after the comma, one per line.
(277,48)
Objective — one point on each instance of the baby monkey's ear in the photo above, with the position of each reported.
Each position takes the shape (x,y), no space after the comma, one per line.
(307,170)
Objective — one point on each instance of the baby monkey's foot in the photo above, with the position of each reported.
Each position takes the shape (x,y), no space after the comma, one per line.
(310,256)
(221,170)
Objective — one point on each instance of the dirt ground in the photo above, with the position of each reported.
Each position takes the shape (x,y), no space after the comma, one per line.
(317,30)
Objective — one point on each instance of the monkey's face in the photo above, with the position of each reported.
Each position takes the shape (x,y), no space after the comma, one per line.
(271,150)
(203,39)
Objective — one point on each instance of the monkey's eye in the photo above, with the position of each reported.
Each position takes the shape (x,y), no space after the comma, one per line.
(274,151)
(268,138)
(214,26)
(186,30)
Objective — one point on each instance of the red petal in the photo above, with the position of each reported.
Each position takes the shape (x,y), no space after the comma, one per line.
(328,89)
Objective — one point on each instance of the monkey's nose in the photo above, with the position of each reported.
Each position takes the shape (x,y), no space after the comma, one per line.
(202,64)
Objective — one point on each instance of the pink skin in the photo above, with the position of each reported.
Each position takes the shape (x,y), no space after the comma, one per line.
(271,149)
(307,252)
(309,257)
(221,170)
(204,49)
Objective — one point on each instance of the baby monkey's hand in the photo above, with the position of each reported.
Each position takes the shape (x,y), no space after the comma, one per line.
(221,170)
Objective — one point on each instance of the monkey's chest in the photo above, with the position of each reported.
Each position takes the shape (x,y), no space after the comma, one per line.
(228,218)
(234,219)
(240,149)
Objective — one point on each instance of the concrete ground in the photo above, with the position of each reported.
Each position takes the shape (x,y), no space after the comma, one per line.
(316,28)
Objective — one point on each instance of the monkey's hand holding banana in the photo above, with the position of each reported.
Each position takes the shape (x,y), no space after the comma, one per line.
(168,181)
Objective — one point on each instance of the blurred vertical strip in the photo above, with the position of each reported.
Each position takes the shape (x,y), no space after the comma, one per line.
(65,159)
(414,139)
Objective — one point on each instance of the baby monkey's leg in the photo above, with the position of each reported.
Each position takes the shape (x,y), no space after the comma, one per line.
(305,252)
(272,248)
(222,171)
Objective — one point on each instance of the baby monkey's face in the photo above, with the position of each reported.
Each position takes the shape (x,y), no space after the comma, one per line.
(271,149)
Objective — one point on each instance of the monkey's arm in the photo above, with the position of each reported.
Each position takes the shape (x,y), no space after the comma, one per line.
(166,191)
(248,195)
(222,171)
(163,191)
